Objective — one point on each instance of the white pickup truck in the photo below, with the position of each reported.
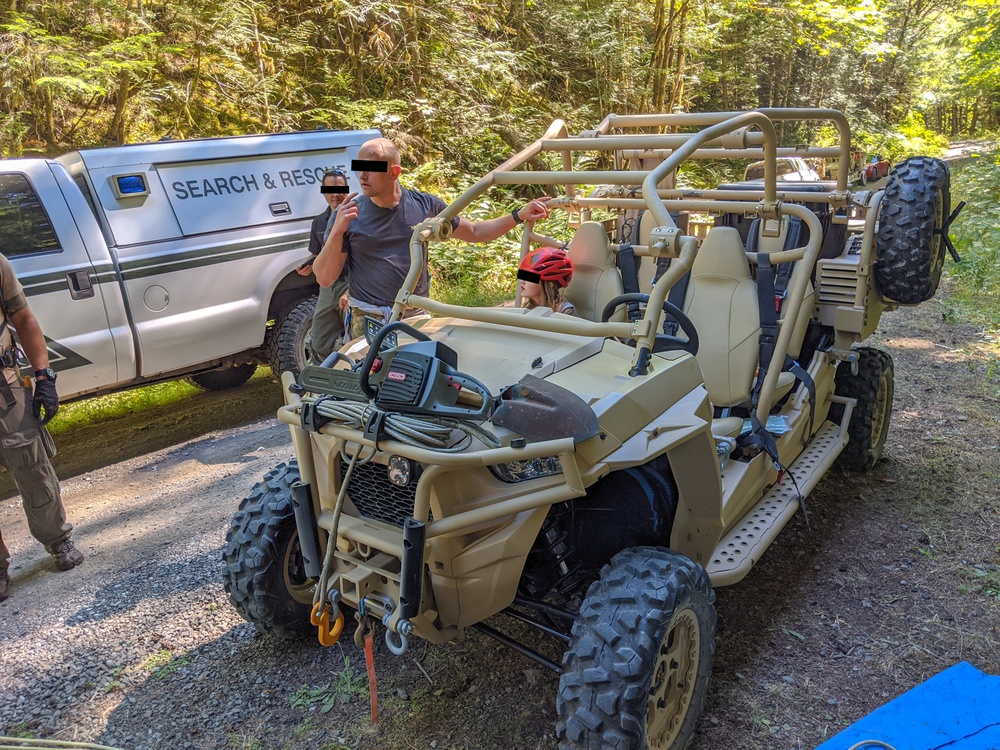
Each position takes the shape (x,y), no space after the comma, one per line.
(155,261)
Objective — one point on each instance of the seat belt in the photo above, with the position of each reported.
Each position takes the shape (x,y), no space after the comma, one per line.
(629,270)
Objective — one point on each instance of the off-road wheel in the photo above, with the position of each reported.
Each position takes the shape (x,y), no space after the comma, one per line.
(223,378)
(263,563)
(873,389)
(910,251)
(637,670)
(286,342)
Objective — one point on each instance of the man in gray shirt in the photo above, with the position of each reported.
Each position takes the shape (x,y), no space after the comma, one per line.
(371,235)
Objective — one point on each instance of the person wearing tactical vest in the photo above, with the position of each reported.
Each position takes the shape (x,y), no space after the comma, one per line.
(25,443)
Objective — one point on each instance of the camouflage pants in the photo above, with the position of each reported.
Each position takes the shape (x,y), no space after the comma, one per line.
(358,320)
(25,450)
(328,320)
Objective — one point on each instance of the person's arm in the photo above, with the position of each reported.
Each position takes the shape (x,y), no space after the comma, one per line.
(485,231)
(44,398)
(331,259)
(29,333)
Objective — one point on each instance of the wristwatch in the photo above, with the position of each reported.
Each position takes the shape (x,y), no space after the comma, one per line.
(47,374)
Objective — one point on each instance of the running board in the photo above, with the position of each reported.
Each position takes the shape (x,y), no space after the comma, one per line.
(743,546)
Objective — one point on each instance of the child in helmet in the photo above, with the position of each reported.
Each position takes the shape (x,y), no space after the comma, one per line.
(543,275)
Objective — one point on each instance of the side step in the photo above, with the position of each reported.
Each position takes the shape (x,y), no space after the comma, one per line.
(743,546)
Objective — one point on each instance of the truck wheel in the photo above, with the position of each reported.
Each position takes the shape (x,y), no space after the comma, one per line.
(637,670)
(263,564)
(224,377)
(910,252)
(286,346)
(873,389)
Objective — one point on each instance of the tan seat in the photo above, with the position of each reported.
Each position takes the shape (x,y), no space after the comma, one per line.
(596,279)
(801,321)
(721,301)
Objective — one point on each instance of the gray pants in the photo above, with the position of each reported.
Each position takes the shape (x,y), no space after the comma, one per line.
(25,450)
(328,320)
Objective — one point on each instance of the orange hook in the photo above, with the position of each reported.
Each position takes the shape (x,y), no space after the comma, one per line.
(321,619)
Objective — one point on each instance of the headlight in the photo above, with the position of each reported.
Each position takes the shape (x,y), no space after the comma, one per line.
(400,471)
(531,468)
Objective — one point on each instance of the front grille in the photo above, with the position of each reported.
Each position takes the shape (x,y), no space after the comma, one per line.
(376,497)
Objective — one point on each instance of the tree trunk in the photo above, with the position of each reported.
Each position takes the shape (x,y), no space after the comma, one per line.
(115,135)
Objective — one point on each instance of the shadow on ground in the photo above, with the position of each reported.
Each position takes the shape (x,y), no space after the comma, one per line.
(110,441)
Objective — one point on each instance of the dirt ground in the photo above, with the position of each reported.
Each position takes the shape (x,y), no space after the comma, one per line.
(894,579)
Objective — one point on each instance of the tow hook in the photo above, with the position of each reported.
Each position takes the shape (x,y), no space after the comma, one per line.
(404,629)
(397,642)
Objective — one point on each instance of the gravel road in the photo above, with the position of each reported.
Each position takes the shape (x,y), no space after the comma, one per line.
(74,643)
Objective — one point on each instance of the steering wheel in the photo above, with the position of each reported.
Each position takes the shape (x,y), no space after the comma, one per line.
(663,342)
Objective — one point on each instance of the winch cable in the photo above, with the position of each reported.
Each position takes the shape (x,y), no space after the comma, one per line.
(420,431)
(319,596)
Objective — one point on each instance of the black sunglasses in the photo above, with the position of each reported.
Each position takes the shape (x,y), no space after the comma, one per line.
(335,173)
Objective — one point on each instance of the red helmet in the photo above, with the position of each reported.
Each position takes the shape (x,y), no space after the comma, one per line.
(546,264)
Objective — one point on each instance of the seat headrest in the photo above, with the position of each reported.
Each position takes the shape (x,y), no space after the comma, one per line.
(722,254)
(590,246)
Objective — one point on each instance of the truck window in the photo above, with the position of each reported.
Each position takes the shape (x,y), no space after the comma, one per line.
(25,228)
(81,182)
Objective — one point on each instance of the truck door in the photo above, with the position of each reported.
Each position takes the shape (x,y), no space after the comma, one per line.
(65,286)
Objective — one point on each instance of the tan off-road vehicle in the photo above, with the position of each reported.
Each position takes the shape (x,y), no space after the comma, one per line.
(597,475)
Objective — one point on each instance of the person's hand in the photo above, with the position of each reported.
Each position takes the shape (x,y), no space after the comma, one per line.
(306,268)
(343,302)
(536,210)
(347,212)
(45,397)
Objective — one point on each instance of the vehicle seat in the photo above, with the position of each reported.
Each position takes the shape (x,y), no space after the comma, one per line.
(793,234)
(596,280)
(721,301)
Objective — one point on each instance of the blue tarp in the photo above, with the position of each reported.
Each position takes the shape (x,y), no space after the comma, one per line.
(958,709)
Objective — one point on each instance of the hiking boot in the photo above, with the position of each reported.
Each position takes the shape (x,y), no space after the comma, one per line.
(5,584)
(66,555)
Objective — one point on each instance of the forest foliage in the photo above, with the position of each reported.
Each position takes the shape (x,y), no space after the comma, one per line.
(464,82)
(461,84)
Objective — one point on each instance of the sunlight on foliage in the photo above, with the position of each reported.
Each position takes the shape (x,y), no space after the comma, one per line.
(976,235)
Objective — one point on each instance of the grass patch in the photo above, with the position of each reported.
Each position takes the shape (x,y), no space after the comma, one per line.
(250,739)
(115,683)
(163,663)
(981,580)
(347,685)
(90,411)
(21,732)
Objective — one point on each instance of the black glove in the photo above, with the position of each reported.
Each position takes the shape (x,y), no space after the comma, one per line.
(45,396)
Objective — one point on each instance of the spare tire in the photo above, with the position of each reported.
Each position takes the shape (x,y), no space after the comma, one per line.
(910,250)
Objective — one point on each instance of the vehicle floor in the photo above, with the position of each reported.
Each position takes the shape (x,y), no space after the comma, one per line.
(895,578)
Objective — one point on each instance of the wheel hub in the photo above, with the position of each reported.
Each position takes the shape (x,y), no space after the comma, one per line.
(880,410)
(674,677)
(299,585)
